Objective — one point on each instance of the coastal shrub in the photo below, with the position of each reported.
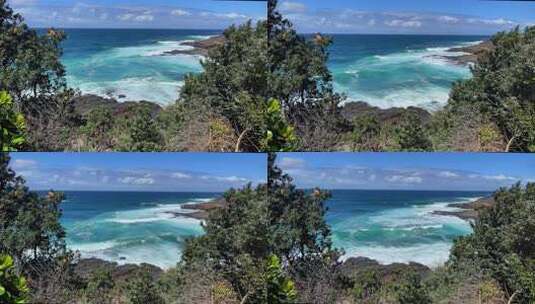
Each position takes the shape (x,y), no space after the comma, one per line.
(502,244)
(280,289)
(29,223)
(300,79)
(366,285)
(13,288)
(140,288)
(412,291)
(410,133)
(234,84)
(12,125)
(280,136)
(502,88)
(99,287)
(138,130)
(365,134)
(97,129)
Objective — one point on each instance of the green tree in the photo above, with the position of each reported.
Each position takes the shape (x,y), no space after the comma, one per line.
(98,127)
(138,130)
(502,88)
(12,125)
(30,230)
(366,130)
(412,291)
(300,79)
(13,288)
(410,133)
(30,67)
(502,245)
(234,83)
(141,289)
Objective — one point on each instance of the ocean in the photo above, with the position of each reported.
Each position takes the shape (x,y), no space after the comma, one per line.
(389,226)
(397,226)
(130,227)
(130,63)
(397,70)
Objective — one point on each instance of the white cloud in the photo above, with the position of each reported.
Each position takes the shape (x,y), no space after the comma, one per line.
(448,174)
(136,180)
(290,162)
(180,12)
(404,23)
(292,7)
(404,179)
(448,19)
(125,17)
(372,22)
(500,21)
(144,18)
(23,164)
(23,2)
(180,175)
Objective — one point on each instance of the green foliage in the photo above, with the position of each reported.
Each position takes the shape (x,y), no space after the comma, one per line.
(139,130)
(234,83)
(29,224)
(300,79)
(280,289)
(13,288)
(141,289)
(99,286)
(366,285)
(97,128)
(366,130)
(280,136)
(502,88)
(502,244)
(410,133)
(411,290)
(30,67)
(12,125)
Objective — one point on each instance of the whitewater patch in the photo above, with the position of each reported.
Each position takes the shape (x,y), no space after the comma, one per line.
(134,73)
(413,77)
(400,235)
(153,234)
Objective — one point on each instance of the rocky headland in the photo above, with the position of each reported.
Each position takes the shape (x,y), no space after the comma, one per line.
(200,47)
(470,211)
(472,53)
(200,211)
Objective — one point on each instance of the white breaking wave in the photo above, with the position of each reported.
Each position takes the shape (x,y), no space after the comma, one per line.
(423,67)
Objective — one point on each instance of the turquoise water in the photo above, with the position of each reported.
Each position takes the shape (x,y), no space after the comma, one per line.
(130,62)
(397,226)
(397,70)
(389,226)
(130,227)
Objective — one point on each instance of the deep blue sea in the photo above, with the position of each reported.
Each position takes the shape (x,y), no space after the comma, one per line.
(397,70)
(397,226)
(389,226)
(130,62)
(130,227)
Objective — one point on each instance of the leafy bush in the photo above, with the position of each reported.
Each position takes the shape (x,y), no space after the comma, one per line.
(12,125)
(13,288)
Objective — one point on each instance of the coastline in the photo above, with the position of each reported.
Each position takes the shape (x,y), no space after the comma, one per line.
(470,211)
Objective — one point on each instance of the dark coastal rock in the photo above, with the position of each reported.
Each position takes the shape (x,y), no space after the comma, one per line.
(353,110)
(201,209)
(85,103)
(355,267)
(470,210)
(86,267)
(474,52)
(200,47)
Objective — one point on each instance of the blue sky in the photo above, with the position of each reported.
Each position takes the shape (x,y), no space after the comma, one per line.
(139,171)
(408,171)
(183,14)
(467,17)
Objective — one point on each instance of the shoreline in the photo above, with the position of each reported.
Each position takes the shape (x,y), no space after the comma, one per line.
(470,210)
